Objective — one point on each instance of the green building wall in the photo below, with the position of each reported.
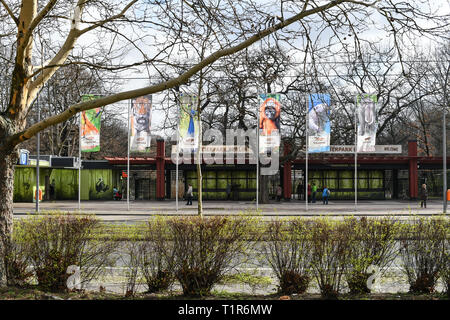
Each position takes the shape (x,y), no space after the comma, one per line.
(25,180)
(98,190)
(215,183)
(341,183)
(97,184)
(65,182)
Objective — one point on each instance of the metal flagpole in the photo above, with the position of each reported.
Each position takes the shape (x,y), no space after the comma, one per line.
(178,149)
(306,163)
(38,156)
(356,154)
(79,166)
(444,163)
(128,159)
(444,144)
(257,151)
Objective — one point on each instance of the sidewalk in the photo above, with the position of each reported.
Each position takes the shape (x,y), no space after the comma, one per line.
(283,208)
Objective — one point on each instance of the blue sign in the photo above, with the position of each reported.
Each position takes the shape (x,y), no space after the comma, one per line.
(23,159)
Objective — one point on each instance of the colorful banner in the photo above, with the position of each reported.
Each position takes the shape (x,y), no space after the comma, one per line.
(90,126)
(188,122)
(141,120)
(367,122)
(269,122)
(319,122)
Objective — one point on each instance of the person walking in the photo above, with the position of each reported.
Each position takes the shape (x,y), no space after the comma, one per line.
(300,190)
(189,195)
(116,194)
(314,190)
(423,196)
(309,193)
(279,192)
(325,195)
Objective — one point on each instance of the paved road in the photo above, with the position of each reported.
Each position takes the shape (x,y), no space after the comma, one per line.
(141,210)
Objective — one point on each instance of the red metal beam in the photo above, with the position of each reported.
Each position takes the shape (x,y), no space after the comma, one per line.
(413,174)
(160,159)
(287,174)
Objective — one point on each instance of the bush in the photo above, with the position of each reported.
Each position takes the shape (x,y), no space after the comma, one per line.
(423,251)
(143,254)
(131,255)
(158,252)
(204,249)
(446,273)
(373,243)
(16,259)
(57,241)
(288,251)
(330,254)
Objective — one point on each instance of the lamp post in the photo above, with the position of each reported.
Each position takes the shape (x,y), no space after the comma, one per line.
(38,146)
(444,144)
(444,163)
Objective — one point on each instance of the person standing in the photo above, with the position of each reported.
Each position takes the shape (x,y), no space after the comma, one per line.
(228,190)
(325,195)
(423,196)
(279,192)
(300,190)
(314,190)
(189,195)
(52,190)
(115,193)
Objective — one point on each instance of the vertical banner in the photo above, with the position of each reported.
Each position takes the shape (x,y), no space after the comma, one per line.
(367,122)
(319,122)
(141,119)
(188,122)
(269,121)
(90,126)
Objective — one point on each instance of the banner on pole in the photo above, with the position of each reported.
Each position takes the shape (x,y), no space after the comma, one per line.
(141,120)
(269,122)
(90,126)
(319,122)
(188,122)
(366,109)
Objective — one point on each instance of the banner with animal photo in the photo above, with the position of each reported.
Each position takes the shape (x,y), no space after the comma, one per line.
(90,126)
(269,121)
(140,124)
(319,122)
(366,109)
(188,122)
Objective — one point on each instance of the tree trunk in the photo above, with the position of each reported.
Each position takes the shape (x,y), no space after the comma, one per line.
(7,162)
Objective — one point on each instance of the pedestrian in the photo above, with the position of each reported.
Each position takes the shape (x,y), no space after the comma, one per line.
(52,190)
(115,192)
(325,195)
(279,192)
(314,190)
(300,190)
(309,193)
(423,196)
(189,195)
(228,191)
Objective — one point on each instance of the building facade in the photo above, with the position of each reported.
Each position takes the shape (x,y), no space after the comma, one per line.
(154,178)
